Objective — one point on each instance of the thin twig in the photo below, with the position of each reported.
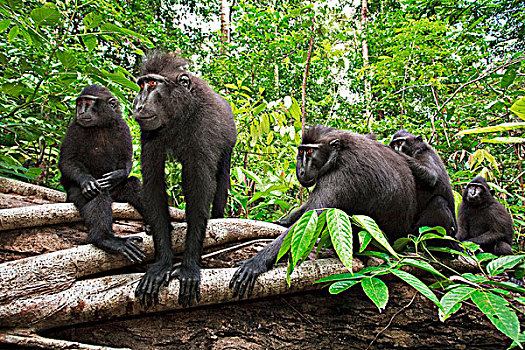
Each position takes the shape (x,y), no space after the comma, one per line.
(392,319)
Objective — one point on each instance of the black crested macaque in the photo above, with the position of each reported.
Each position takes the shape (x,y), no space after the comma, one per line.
(434,192)
(180,115)
(95,162)
(484,220)
(351,172)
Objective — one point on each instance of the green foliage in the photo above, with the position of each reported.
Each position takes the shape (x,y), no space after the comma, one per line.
(492,297)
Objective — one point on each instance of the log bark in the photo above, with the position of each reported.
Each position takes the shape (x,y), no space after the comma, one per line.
(28,338)
(51,214)
(26,189)
(58,271)
(114,296)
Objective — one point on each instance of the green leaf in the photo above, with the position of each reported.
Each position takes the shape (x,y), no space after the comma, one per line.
(497,128)
(422,265)
(364,240)
(521,341)
(340,277)
(90,41)
(303,235)
(369,225)
(376,290)
(13,33)
(341,286)
(92,20)
(418,285)
(401,243)
(259,109)
(519,108)
(67,59)
(285,246)
(110,27)
(497,310)
(499,265)
(121,80)
(504,140)
(451,300)
(4,24)
(508,78)
(340,230)
(47,15)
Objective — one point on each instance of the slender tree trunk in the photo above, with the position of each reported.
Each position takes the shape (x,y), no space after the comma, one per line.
(305,77)
(364,44)
(225,32)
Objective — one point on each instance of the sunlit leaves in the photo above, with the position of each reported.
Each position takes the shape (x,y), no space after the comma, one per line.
(340,230)
(496,308)
(47,15)
(519,108)
(376,290)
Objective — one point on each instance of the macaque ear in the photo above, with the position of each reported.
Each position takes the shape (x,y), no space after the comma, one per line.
(335,144)
(492,192)
(113,103)
(419,138)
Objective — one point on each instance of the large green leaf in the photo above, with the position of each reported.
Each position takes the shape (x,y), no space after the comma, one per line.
(505,140)
(418,285)
(112,28)
(453,298)
(376,290)
(499,265)
(370,225)
(508,78)
(499,313)
(341,286)
(496,128)
(67,59)
(519,108)
(121,80)
(4,24)
(422,265)
(13,33)
(303,235)
(48,15)
(340,277)
(340,230)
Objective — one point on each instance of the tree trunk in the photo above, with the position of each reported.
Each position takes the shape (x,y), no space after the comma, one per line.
(58,271)
(26,189)
(114,296)
(51,214)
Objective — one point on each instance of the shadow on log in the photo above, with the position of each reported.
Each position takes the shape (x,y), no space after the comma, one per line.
(57,271)
(114,296)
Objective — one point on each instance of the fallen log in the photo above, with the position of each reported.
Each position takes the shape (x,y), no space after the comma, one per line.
(51,214)
(58,271)
(114,296)
(28,338)
(27,189)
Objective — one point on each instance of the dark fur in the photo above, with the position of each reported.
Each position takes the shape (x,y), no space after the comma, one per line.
(183,117)
(95,162)
(434,192)
(364,177)
(484,220)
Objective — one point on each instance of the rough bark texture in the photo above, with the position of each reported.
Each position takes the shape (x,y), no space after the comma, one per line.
(23,188)
(57,271)
(50,214)
(300,321)
(113,296)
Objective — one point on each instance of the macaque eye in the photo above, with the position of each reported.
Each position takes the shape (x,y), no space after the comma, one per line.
(141,86)
(309,151)
(152,83)
(301,151)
